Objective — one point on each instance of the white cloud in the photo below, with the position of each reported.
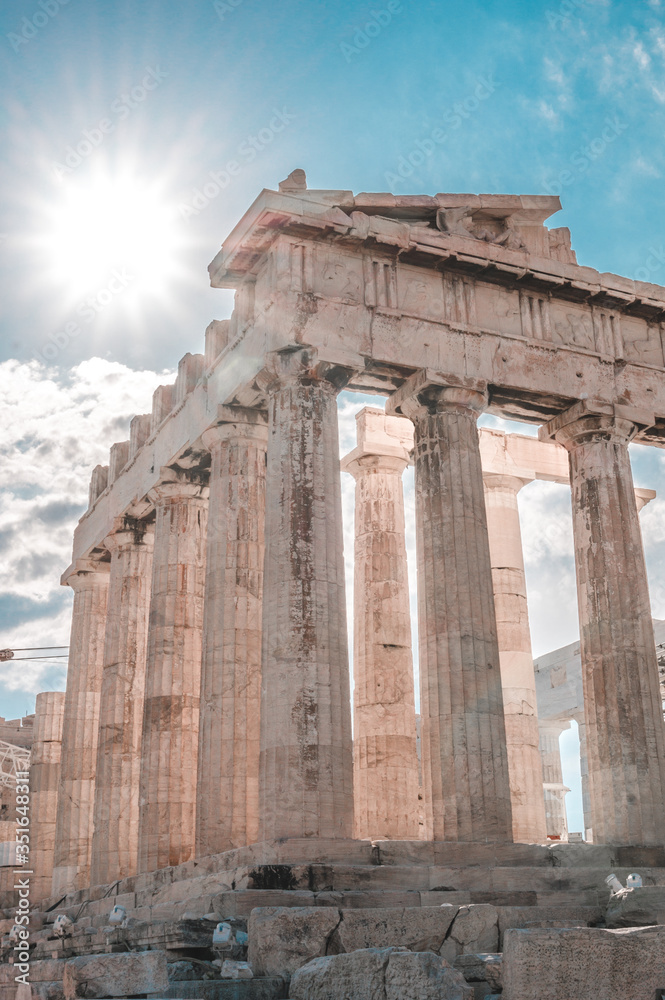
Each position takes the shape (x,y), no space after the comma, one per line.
(55,430)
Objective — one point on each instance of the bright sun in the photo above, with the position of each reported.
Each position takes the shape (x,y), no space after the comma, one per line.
(112,232)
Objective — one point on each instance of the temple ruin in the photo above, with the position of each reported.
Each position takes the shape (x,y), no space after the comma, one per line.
(207,765)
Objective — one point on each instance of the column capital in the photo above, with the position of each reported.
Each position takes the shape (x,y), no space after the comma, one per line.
(643,497)
(362,463)
(84,571)
(129,531)
(429,392)
(234,422)
(595,420)
(504,482)
(301,365)
(175,485)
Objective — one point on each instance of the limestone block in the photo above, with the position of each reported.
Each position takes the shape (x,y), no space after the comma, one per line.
(584,963)
(282,939)
(46,971)
(475,929)
(379,974)
(41,991)
(118,975)
(423,976)
(637,908)
(415,928)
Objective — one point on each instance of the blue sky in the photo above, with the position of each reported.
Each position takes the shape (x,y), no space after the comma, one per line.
(116,115)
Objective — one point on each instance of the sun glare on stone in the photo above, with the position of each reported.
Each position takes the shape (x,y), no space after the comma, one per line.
(112,232)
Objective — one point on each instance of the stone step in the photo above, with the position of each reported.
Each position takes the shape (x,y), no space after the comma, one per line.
(236,864)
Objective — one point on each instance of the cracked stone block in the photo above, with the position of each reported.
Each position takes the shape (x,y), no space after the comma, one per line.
(475,929)
(379,974)
(117,975)
(282,938)
(416,928)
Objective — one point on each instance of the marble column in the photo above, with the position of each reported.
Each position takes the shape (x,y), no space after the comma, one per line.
(516,658)
(385,774)
(625,734)
(228,792)
(44,780)
(554,790)
(116,816)
(167,789)
(306,766)
(464,757)
(76,794)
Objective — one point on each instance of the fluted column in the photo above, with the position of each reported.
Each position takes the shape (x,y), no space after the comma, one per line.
(516,658)
(115,837)
(228,782)
(76,795)
(167,792)
(306,767)
(385,774)
(625,733)
(465,767)
(44,780)
(554,790)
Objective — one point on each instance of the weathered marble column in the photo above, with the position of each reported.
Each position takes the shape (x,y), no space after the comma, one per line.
(464,757)
(228,782)
(554,790)
(625,733)
(385,774)
(76,794)
(306,766)
(44,780)
(516,658)
(167,791)
(116,816)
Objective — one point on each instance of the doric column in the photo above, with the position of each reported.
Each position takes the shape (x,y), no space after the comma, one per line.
(76,795)
(44,780)
(228,792)
(385,774)
(516,658)
(116,816)
(167,791)
(625,734)
(306,766)
(554,790)
(465,767)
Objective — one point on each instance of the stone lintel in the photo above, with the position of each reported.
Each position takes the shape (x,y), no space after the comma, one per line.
(595,408)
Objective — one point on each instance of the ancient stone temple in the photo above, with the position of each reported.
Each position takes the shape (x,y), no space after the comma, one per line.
(215,762)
